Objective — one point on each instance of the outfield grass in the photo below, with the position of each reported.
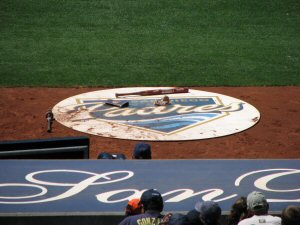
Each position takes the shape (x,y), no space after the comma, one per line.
(149,43)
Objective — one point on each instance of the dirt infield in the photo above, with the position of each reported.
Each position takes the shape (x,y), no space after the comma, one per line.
(276,136)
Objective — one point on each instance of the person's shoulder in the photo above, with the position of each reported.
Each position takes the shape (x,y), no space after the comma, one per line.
(136,217)
(275,219)
(131,219)
(246,221)
(125,221)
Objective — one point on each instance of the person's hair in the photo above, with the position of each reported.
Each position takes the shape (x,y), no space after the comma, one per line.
(238,211)
(142,150)
(262,211)
(291,215)
(209,212)
(193,217)
(134,207)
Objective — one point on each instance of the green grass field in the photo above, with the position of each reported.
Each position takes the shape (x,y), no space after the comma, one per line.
(114,43)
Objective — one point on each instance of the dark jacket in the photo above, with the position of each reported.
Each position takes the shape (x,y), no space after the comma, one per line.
(147,218)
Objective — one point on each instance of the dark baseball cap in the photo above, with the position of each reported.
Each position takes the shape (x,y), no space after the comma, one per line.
(210,212)
(142,150)
(152,199)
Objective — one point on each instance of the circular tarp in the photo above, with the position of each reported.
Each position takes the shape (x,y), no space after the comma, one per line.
(189,116)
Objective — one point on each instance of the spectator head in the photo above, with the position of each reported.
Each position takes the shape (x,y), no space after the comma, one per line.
(134,207)
(142,151)
(152,200)
(210,212)
(257,203)
(193,216)
(105,155)
(291,215)
(239,211)
(178,219)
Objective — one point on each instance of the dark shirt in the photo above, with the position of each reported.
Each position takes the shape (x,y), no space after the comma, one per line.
(147,218)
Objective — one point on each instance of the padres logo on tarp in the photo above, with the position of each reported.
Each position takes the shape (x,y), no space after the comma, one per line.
(186,116)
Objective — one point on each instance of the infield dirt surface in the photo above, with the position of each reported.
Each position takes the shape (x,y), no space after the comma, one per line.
(275,136)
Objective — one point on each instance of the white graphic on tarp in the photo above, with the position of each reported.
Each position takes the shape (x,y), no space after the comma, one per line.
(190,116)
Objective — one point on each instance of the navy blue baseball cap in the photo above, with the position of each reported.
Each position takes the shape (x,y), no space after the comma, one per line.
(142,151)
(152,199)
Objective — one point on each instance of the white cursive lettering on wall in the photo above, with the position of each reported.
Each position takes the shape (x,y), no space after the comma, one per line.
(183,195)
(262,182)
(189,193)
(104,197)
(75,187)
(43,190)
(214,194)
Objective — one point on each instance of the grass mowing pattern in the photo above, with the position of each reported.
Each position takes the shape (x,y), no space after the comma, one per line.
(149,43)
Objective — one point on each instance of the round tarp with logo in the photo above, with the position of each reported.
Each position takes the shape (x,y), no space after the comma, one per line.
(185,116)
